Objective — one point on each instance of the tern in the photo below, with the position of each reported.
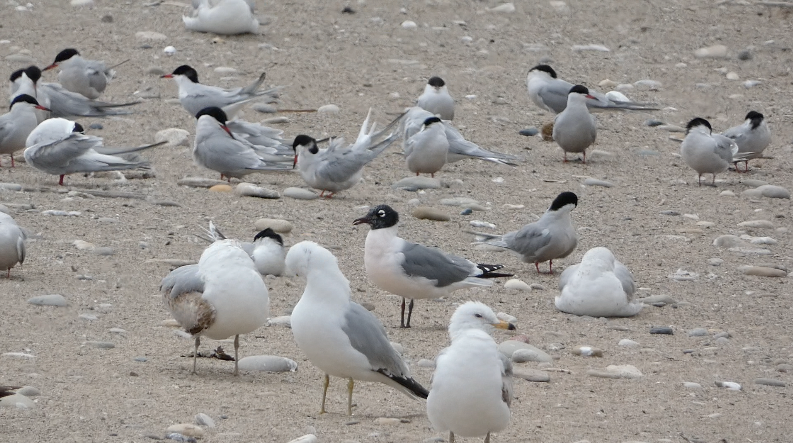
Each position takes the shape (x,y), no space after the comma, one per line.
(752,137)
(82,76)
(17,124)
(575,129)
(705,152)
(436,99)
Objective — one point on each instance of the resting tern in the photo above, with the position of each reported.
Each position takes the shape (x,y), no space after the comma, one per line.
(86,77)
(436,99)
(705,152)
(575,129)
(225,17)
(216,148)
(194,96)
(549,238)
(12,244)
(427,149)
(336,168)
(550,93)
(752,137)
(414,271)
(59,147)
(17,124)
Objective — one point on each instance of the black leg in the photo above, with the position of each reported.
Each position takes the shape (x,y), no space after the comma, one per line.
(402,320)
(410,312)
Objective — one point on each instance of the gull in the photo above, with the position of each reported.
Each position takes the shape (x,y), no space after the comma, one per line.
(61,102)
(436,99)
(574,129)
(266,250)
(194,96)
(752,137)
(221,296)
(411,270)
(471,388)
(600,286)
(427,149)
(705,152)
(225,17)
(216,148)
(17,124)
(12,244)
(549,238)
(459,147)
(339,336)
(335,168)
(59,147)
(550,93)
(82,76)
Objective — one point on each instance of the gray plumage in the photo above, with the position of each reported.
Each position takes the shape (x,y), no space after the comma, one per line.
(706,153)
(432,264)
(752,137)
(182,280)
(368,336)
(575,129)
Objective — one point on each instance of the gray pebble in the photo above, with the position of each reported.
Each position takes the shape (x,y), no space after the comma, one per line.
(527,355)
(414,184)
(768,191)
(88,317)
(722,341)
(28,391)
(104,250)
(715,261)
(745,55)
(661,330)
(276,224)
(202,419)
(652,122)
(300,194)
(264,108)
(175,436)
(509,347)
(691,385)
(467,211)
(10,187)
(16,401)
(698,332)
(251,190)
(770,382)
(173,137)
(784,367)
(96,126)
(284,320)
(762,271)
(596,182)
(425,363)
(762,224)
(141,359)
(658,300)
(199,182)
(48,300)
(647,153)
(267,363)
(669,212)
(107,18)
(99,344)
(534,375)
(723,334)
(628,343)
(427,213)
(529,132)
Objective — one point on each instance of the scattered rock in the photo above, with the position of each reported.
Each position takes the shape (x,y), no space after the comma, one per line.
(663,330)
(529,132)
(251,190)
(187,429)
(409,24)
(387,421)
(587,351)
(308,438)
(149,35)
(760,224)
(173,137)
(276,224)
(534,375)
(768,191)
(616,371)
(691,385)
(300,194)
(284,320)
(99,344)
(427,213)
(28,391)
(267,363)
(414,184)
(48,300)
(328,108)
(264,108)
(628,343)
(596,182)
(223,187)
(698,332)
(599,48)
(509,347)
(202,419)
(770,382)
(762,271)
(519,285)
(716,51)
(504,7)
(199,182)
(731,385)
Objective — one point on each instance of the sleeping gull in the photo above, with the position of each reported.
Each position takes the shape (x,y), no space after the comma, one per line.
(549,238)
(600,286)
(472,385)
(575,129)
(12,244)
(225,17)
(221,296)
(436,99)
(752,137)
(339,336)
(705,152)
(414,271)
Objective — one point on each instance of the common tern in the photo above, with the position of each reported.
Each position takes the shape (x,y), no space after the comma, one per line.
(472,385)
(61,102)
(216,148)
(550,93)
(339,336)
(752,137)
(82,76)
(411,270)
(575,129)
(194,96)
(427,149)
(266,250)
(549,238)
(221,296)
(705,152)
(336,168)
(436,99)
(599,286)
(17,124)
(459,147)
(225,17)
(59,147)
(12,244)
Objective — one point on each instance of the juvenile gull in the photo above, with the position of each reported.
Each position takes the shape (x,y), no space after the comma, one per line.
(88,78)
(12,244)
(472,385)
(705,152)
(599,286)
(414,271)
(752,137)
(575,129)
(339,336)
(221,296)
(17,124)
(549,238)
(436,99)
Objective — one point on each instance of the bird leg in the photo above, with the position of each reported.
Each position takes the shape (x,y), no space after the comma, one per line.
(550,266)
(410,312)
(451,437)
(584,158)
(324,393)
(699,180)
(60,182)
(350,385)
(195,352)
(12,160)
(322,194)
(565,157)
(713,182)
(236,355)
(432,174)
(745,166)
(537,266)
(487,438)
(402,320)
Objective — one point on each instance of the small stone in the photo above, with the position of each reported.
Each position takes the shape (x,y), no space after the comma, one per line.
(599,48)
(308,438)
(519,285)
(665,330)
(221,188)
(251,190)
(461,201)
(761,224)
(267,363)
(716,51)
(48,300)
(616,371)
(284,320)
(506,317)
(729,241)
(187,429)
(768,191)
(529,132)
(587,351)
(172,136)
(648,85)
(751,83)
(96,126)
(596,182)
(104,250)
(387,421)
(117,331)
(28,391)
(658,300)
(425,363)
(82,2)
(88,317)
(509,347)
(427,213)
(99,344)
(18,401)
(732,386)
(414,184)
(169,51)
(504,7)
(467,211)
(202,419)
(175,436)
(83,245)
(150,35)
(409,24)
(199,182)
(762,271)
(264,108)
(770,382)
(534,375)
(691,385)
(628,343)
(732,76)
(652,123)
(225,70)
(328,108)
(300,194)
(698,332)
(715,261)
(278,225)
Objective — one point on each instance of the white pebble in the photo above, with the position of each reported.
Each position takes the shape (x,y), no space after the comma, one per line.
(267,363)
(731,385)
(506,317)
(225,70)
(409,24)
(514,283)
(504,7)
(284,320)
(617,96)
(600,48)
(716,51)
(150,35)
(328,108)
(82,2)
(169,51)
(481,224)
(308,438)
(628,343)
(732,76)
(202,419)
(172,136)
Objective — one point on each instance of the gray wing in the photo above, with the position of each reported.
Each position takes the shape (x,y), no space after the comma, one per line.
(65,103)
(432,264)
(528,240)
(460,148)
(412,121)
(625,277)
(726,148)
(367,335)
(554,94)
(257,134)
(340,165)
(56,155)
(182,280)
(506,379)
(222,153)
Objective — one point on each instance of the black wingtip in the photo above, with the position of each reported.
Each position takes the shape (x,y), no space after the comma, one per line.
(488,271)
(408,383)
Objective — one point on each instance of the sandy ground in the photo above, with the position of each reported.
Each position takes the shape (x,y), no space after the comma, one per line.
(367,59)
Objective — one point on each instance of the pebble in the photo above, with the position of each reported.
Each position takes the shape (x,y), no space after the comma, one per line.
(768,191)
(28,391)
(425,363)
(506,317)
(509,347)
(600,48)
(666,330)
(48,300)
(328,108)
(617,96)
(284,320)
(650,85)
(172,137)
(427,213)
(467,211)
(104,250)
(223,187)
(731,385)
(658,300)
(264,108)
(698,332)
(628,343)
(300,194)
(616,371)
(762,271)
(528,354)
(534,375)
(732,76)
(117,331)
(715,261)
(99,344)
(267,363)
(653,122)
(716,51)
(150,35)
(587,351)
(202,419)
(596,182)
(275,120)
(17,401)
(751,83)
(460,201)
(691,385)
(482,224)
(225,70)
(169,51)
(761,224)
(670,213)
(175,436)
(61,213)
(186,429)
(529,132)
(507,8)
(83,245)
(387,421)
(89,317)
(251,190)
(729,241)
(770,382)
(520,285)
(409,24)
(414,184)
(683,275)
(82,2)
(759,240)
(308,438)
(276,224)
(199,182)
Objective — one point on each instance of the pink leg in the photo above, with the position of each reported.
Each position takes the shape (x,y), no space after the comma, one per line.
(584,157)
(537,266)
(60,182)
(12,160)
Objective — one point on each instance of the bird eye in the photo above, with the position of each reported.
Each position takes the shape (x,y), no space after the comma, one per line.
(381,213)
(478,315)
